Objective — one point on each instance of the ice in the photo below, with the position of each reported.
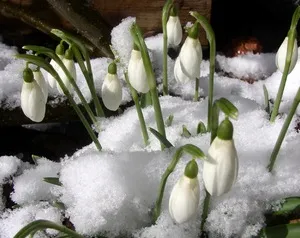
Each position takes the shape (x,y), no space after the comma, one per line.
(8,166)
(29,187)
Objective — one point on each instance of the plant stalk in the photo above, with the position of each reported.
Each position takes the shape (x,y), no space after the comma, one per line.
(205,211)
(196,95)
(138,110)
(215,122)
(283,131)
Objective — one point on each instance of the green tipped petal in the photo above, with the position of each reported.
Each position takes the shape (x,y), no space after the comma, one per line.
(193,32)
(28,75)
(112,68)
(174,11)
(191,169)
(225,130)
(60,49)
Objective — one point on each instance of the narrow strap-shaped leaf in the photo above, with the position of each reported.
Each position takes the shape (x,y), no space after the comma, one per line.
(201,129)
(227,107)
(266,97)
(185,132)
(52,180)
(289,205)
(282,231)
(161,138)
(193,151)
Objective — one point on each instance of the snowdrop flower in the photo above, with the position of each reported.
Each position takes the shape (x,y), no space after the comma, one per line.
(184,199)
(111,89)
(60,53)
(281,55)
(221,168)
(70,65)
(187,64)
(39,78)
(33,102)
(136,72)
(174,29)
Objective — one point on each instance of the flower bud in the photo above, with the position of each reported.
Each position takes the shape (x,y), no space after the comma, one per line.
(174,29)
(60,53)
(39,78)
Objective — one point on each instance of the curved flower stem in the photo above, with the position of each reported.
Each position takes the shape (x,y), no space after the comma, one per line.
(283,131)
(45,65)
(215,122)
(165,16)
(139,41)
(138,110)
(188,148)
(212,56)
(71,39)
(196,95)
(37,225)
(292,33)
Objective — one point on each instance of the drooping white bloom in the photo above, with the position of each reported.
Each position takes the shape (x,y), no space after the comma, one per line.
(184,199)
(187,65)
(111,91)
(33,102)
(60,53)
(221,168)
(174,31)
(137,73)
(70,65)
(39,78)
(281,55)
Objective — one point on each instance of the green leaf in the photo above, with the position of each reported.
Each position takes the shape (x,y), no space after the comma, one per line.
(282,231)
(37,48)
(289,205)
(201,129)
(59,205)
(169,120)
(53,180)
(185,132)
(146,99)
(227,107)
(193,150)
(35,158)
(161,138)
(266,96)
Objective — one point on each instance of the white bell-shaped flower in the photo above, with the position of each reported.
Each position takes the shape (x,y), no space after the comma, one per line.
(281,55)
(70,65)
(60,53)
(174,29)
(184,199)
(33,102)
(39,78)
(221,168)
(136,72)
(111,89)
(187,65)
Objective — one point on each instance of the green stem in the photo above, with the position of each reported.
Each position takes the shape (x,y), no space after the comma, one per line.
(138,39)
(45,65)
(162,185)
(89,80)
(292,33)
(205,210)
(284,130)
(212,56)
(165,16)
(196,95)
(215,122)
(138,110)
(74,40)
(42,225)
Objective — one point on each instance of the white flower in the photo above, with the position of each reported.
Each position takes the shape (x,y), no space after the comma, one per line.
(281,55)
(174,31)
(70,65)
(221,168)
(39,78)
(137,73)
(33,102)
(111,92)
(60,53)
(187,65)
(184,199)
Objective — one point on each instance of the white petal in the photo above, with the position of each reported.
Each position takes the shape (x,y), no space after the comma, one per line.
(191,57)
(39,78)
(221,168)
(136,73)
(174,31)
(178,74)
(111,92)
(184,199)
(281,55)
(51,80)
(71,68)
(25,92)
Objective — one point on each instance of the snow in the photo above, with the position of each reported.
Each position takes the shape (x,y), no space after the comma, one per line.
(112,192)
